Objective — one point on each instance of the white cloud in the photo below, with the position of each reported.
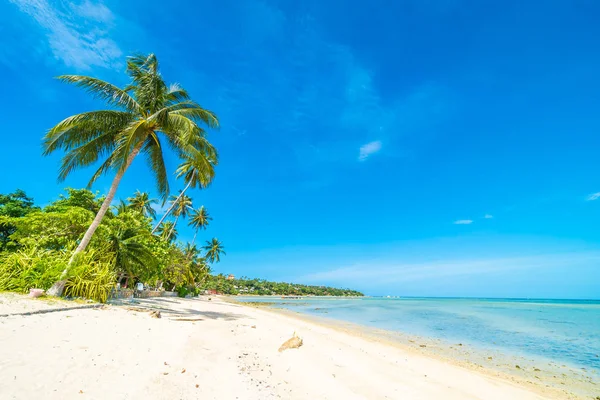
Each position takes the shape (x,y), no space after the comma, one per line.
(369,149)
(76,34)
(463,222)
(488,216)
(593,196)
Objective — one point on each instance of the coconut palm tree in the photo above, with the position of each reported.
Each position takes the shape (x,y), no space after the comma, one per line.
(143,117)
(183,207)
(199,220)
(167,231)
(214,249)
(142,203)
(131,250)
(122,207)
(197,171)
(191,252)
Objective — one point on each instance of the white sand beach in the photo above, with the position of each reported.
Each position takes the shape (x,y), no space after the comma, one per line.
(202,349)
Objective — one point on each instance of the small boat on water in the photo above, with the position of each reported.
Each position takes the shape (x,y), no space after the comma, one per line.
(291,297)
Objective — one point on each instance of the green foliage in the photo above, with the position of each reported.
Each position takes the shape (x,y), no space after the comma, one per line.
(54,230)
(214,249)
(92,276)
(262,287)
(142,203)
(29,268)
(129,240)
(81,198)
(12,205)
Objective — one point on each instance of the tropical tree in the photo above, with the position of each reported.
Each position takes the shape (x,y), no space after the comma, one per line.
(199,220)
(214,249)
(142,203)
(13,205)
(147,113)
(190,251)
(167,231)
(197,171)
(122,207)
(183,207)
(130,247)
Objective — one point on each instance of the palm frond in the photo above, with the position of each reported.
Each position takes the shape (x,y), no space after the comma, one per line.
(78,129)
(154,154)
(86,154)
(197,170)
(195,112)
(127,140)
(176,94)
(104,90)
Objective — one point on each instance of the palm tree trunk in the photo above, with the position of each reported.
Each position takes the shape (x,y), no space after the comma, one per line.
(173,227)
(58,287)
(194,239)
(172,206)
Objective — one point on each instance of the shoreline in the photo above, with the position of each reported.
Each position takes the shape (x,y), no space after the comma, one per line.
(544,376)
(222,350)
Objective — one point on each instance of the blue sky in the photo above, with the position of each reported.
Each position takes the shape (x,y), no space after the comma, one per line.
(411,147)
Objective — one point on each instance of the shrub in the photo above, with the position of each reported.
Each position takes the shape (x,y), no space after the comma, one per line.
(30,268)
(92,277)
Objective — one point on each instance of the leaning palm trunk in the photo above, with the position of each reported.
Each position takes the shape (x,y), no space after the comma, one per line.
(173,228)
(58,287)
(171,208)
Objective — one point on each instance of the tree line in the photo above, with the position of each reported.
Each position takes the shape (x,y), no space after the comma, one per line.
(36,244)
(262,287)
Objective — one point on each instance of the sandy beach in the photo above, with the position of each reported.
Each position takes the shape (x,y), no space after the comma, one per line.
(201,349)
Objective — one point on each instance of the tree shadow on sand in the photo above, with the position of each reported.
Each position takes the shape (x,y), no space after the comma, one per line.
(173,309)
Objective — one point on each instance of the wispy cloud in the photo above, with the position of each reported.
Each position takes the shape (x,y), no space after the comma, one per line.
(369,149)
(463,222)
(593,196)
(488,216)
(76,34)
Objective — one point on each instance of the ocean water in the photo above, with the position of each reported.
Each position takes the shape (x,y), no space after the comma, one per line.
(564,331)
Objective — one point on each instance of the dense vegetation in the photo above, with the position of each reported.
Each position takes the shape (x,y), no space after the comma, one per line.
(36,244)
(246,286)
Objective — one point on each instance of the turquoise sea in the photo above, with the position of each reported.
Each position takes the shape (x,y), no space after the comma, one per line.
(564,331)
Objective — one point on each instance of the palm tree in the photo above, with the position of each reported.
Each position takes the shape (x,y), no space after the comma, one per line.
(198,171)
(131,251)
(214,249)
(199,220)
(183,206)
(142,203)
(122,207)
(167,231)
(148,113)
(191,252)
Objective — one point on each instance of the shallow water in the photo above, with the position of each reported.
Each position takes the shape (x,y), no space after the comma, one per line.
(565,331)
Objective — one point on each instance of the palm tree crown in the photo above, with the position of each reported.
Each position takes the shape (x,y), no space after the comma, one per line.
(200,218)
(167,231)
(149,112)
(214,249)
(142,203)
(183,206)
